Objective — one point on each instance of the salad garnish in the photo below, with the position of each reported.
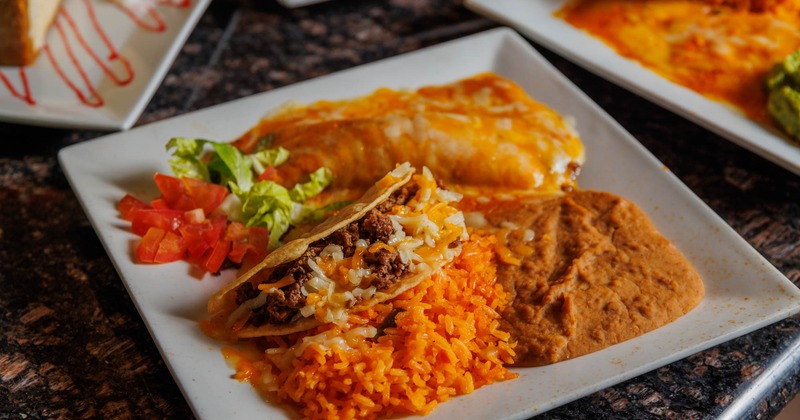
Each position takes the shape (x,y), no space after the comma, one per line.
(221,204)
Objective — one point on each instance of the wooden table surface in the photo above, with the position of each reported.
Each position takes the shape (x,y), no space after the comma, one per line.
(73,345)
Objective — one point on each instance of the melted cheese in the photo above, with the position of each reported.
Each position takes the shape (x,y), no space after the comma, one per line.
(717,51)
(482,132)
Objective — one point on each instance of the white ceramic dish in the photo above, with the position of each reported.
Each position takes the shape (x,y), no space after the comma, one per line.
(134,45)
(534,18)
(744,292)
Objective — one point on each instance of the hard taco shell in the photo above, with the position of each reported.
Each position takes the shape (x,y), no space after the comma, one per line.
(222,304)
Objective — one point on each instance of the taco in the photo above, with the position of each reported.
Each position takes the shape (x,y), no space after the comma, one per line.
(401,231)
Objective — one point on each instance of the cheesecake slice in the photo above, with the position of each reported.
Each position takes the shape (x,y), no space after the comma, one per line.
(23,27)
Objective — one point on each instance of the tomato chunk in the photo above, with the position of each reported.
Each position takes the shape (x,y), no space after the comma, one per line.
(160,203)
(236,232)
(238,250)
(165,219)
(205,195)
(195,216)
(129,204)
(214,258)
(259,240)
(170,249)
(148,246)
(176,225)
(269,174)
(184,203)
(171,188)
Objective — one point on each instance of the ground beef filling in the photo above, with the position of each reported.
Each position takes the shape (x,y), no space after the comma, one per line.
(386,267)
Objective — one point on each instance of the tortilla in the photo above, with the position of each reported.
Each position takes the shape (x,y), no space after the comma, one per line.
(483,132)
(225,307)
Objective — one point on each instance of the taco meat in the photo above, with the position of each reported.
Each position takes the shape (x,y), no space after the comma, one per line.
(386,266)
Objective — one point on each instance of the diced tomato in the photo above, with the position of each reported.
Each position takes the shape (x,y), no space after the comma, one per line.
(206,196)
(176,224)
(196,245)
(167,220)
(238,250)
(236,232)
(269,174)
(213,259)
(148,246)
(184,203)
(195,216)
(159,203)
(129,204)
(218,224)
(171,188)
(170,249)
(258,239)
(244,240)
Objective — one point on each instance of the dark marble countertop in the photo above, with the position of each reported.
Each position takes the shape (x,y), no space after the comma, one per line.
(72,344)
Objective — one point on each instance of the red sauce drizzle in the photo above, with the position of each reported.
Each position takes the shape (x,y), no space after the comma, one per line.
(113,54)
(96,101)
(26,96)
(155,23)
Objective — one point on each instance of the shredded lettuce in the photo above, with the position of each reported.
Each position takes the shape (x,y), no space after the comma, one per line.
(268,157)
(263,203)
(269,204)
(320,179)
(233,169)
(185,159)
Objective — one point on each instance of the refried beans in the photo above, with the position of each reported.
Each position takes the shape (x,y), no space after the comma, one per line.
(595,273)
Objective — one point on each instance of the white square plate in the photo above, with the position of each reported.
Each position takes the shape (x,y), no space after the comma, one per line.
(106,60)
(743,291)
(535,19)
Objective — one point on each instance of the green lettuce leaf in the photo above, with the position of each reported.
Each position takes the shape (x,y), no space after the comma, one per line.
(320,179)
(268,204)
(185,160)
(233,169)
(263,203)
(268,157)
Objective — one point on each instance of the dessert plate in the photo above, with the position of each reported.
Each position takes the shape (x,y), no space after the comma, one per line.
(534,18)
(102,61)
(743,291)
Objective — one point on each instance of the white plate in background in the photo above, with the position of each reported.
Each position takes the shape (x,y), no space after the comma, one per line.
(743,291)
(136,45)
(534,18)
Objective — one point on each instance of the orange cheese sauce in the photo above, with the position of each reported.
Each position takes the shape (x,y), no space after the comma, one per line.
(482,132)
(721,53)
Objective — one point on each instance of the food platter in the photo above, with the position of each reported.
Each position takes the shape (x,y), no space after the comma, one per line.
(103,61)
(535,19)
(743,291)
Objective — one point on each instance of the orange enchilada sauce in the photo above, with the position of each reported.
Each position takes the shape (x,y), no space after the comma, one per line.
(719,52)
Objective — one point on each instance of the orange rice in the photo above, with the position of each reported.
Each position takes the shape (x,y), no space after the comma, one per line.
(446,342)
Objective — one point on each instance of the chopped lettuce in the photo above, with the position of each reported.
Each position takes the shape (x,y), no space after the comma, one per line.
(269,204)
(320,179)
(185,159)
(783,86)
(269,157)
(260,203)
